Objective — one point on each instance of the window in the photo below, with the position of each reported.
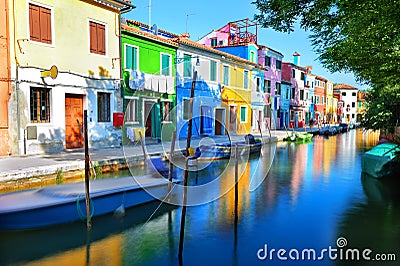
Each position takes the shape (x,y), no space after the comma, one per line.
(186,109)
(166,107)
(131,57)
(312,84)
(213,70)
(40,24)
(343,93)
(213,41)
(267,61)
(278,64)
(302,76)
(103,107)
(293,73)
(97,38)
(243,114)
(323,99)
(187,65)
(258,83)
(353,94)
(312,99)
(353,104)
(132,110)
(246,79)
(166,64)
(267,86)
(287,93)
(40,105)
(252,57)
(317,99)
(292,94)
(301,94)
(226,75)
(221,43)
(278,88)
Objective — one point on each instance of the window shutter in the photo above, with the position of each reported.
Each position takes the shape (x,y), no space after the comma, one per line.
(45,25)
(128,57)
(34,25)
(93,37)
(101,37)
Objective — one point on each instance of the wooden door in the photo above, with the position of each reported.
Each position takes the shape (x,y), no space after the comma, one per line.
(73,112)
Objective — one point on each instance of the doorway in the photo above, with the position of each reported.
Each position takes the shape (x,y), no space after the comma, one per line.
(73,121)
(148,114)
(219,121)
(232,118)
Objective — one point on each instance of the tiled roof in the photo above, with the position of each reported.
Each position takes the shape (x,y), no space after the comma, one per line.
(140,24)
(343,87)
(186,41)
(148,35)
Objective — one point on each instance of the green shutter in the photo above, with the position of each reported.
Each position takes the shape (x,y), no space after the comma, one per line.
(213,71)
(165,65)
(128,56)
(242,114)
(187,65)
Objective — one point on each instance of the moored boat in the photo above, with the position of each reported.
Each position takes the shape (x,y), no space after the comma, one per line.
(377,161)
(299,137)
(66,203)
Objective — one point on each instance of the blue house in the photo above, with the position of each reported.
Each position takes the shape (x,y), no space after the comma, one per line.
(208,116)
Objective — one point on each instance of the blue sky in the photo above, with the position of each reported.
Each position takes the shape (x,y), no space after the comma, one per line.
(206,15)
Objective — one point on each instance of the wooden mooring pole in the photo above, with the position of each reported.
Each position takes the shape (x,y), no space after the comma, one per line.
(171,166)
(87,193)
(236,182)
(185,175)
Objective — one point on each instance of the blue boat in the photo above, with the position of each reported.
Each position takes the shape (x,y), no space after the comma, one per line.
(59,204)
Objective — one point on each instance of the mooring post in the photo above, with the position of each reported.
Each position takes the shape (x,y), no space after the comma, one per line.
(185,174)
(87,198)
(171,166)
(236,182)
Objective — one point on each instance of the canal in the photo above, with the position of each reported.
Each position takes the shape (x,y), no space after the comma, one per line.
(313,199)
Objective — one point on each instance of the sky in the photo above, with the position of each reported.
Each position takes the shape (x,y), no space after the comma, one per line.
(201,17)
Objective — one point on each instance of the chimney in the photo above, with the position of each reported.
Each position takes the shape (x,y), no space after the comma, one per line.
(296,58)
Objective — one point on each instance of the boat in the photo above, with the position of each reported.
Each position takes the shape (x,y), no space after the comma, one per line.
(224,150)
(299,137)
(345,127)
(324,130)
(331,131)
(377,162)
(58,204)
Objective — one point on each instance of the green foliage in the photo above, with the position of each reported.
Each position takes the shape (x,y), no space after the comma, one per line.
(384,109)
(97,168)
(359,36)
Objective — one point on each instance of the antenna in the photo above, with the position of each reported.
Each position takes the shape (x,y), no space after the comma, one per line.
(149,13)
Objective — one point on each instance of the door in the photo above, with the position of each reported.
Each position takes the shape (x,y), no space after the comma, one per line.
(148,115)
(73,114)
(232,118)
(219,122)
(206,120)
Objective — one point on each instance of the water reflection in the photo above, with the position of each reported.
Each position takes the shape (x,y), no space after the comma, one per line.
(313,194)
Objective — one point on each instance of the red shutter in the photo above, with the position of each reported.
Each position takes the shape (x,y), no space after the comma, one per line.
(93,37)
(45,25)
(34,25)
(101,38)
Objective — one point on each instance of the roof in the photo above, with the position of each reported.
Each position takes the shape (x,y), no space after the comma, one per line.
(148,35)
(184,40)
(140,24)
(266,47)
(343,87)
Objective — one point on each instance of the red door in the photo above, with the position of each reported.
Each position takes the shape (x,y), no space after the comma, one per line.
(73,114)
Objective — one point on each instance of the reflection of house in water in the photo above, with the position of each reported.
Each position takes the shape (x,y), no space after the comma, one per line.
(299,169)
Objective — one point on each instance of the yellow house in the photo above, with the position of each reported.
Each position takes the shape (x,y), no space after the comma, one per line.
(64,58)
(236,76)
(330,102)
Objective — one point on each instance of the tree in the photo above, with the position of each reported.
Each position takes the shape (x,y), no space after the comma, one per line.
(359,36)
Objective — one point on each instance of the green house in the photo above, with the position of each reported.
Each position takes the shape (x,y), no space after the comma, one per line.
(148,83)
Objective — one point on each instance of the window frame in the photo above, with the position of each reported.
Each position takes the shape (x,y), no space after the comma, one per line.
(98,52)
(278,64)
(102,117)
(51,23)
(137,56)
(267,62)
(33,101)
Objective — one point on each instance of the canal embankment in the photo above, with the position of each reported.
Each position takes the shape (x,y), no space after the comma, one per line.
(21,172)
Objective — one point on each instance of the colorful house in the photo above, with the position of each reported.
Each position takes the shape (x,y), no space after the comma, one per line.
(272,61)
(149,83)
(331,103)
(62,58)
(208,117)
(348,95)
(320,99)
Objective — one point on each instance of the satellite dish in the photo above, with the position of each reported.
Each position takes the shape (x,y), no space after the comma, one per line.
(155,29)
